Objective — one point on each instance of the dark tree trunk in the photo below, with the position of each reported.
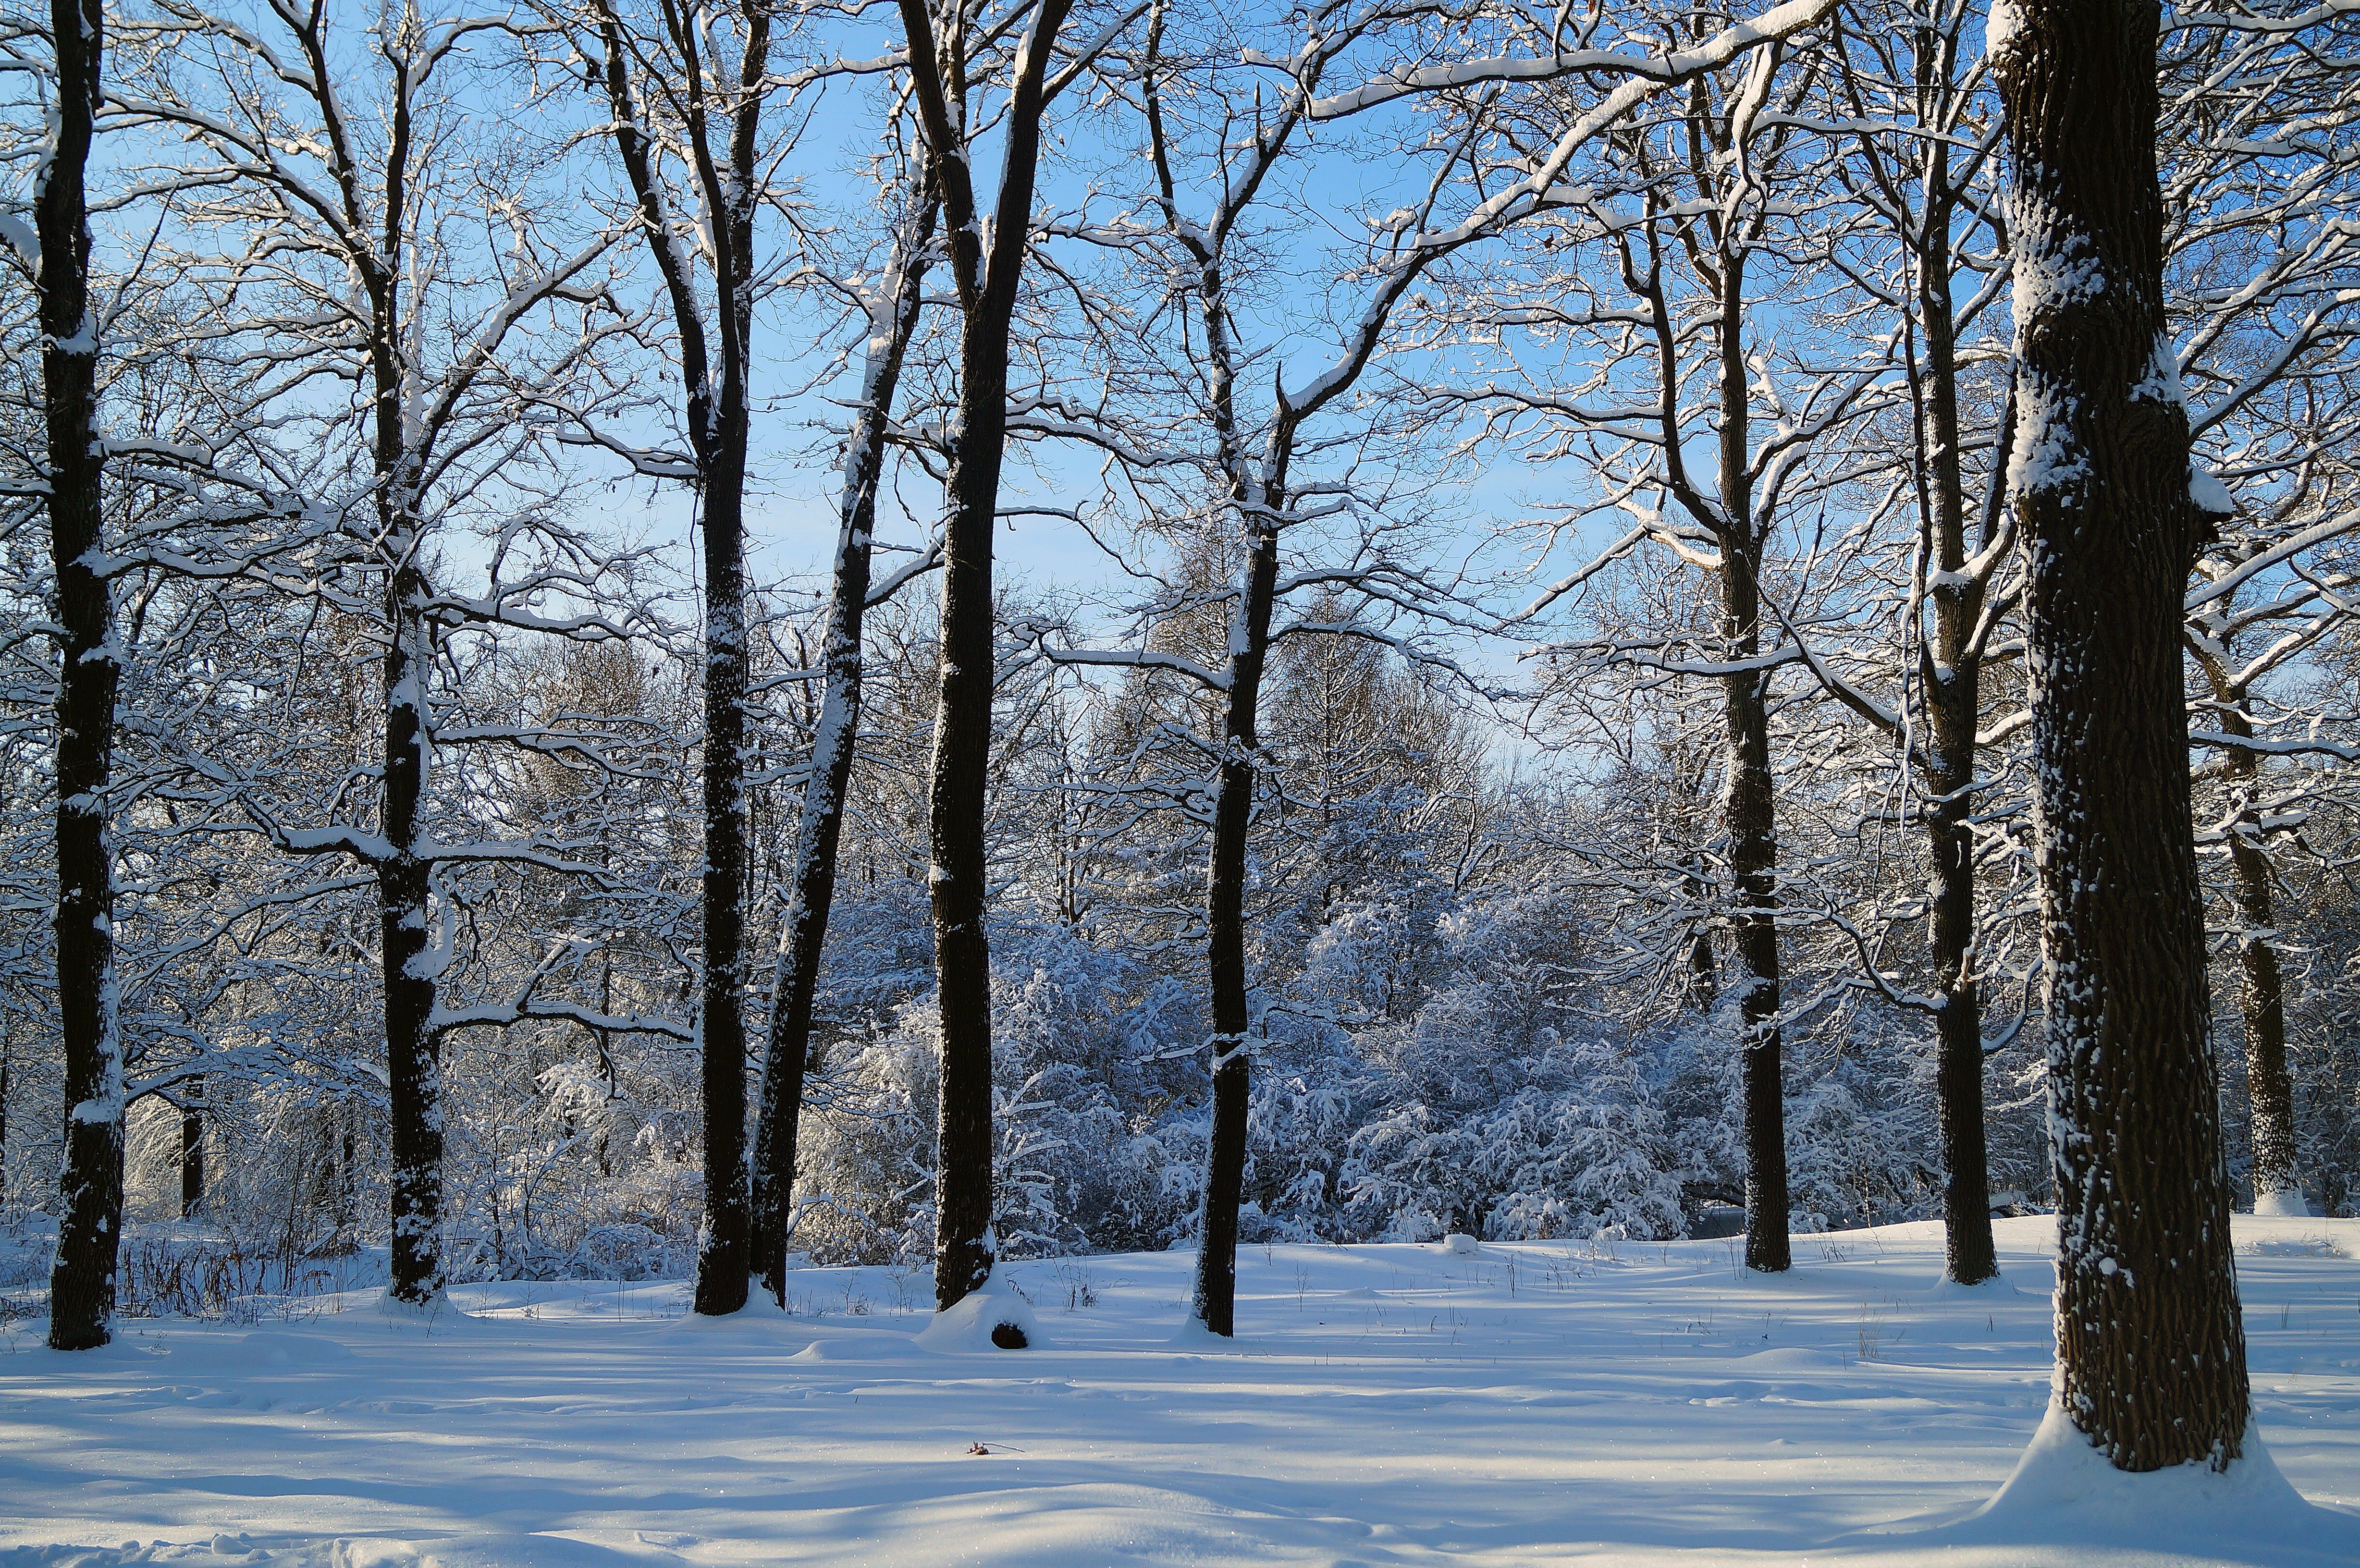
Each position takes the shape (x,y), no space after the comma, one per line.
(821,824)
(2269,1088)
(81,1284)
(413,1053)
(721,1253)
(2150,1347)
(965,1249)
(719,433)
(192,1149)
(1748,812)
(1953,684)
(1213,1301)
(404,867)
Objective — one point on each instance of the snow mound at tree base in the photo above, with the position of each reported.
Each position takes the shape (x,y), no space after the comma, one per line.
(2065,1492)
(2289,1205)
(987,1318)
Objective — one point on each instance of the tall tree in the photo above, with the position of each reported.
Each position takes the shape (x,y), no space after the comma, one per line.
(1904,81)
(888,313)
(2150,1346)
(1684,202)
(81,1283)
(715,112)
(986,268)
(375,244)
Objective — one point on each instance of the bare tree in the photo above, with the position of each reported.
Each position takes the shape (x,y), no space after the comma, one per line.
(887,311)
(362,229)
(674,98)
(90,672)
(985,269)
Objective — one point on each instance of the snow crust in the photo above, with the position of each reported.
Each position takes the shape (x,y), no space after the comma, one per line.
(1628,1404)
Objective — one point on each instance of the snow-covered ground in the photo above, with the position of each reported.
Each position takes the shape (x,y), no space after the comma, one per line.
(1548,1403)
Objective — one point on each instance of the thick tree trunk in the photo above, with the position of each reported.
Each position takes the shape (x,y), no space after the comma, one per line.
(1213,1299)
(2150,1346)
(413,1054)
(721,1254)
(719,432)
(81,1284)
(1748,812)
(820,827)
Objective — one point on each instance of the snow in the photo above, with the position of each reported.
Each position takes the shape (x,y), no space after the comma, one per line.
(2212,496)
(1624,1403)
(2064,1490)
(2289,1204)
(993,1309)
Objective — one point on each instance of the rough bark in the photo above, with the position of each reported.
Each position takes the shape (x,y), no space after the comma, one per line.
(2151,1359)
(965,1249)
(821,824)
(413,1054)
(90,1196)
(721,1254)
(1748,813)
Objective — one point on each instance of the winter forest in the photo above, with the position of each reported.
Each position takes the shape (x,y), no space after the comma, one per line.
(716,642)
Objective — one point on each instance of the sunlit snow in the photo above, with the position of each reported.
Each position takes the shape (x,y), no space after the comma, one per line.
(1540,1402)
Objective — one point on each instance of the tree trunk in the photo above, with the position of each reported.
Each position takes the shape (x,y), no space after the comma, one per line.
(2150,1347)
(1954,682)
(719,432)
(820,827)
(965,1248)
(2269,1088)
(193,1150)
(413,1054)
(1213,1299)
(721,1254)
(1748,812)
(81,1283)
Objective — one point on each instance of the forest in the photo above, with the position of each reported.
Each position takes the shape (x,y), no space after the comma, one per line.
(664,639)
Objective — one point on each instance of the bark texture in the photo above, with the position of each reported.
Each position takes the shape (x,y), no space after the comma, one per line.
(821,825)
(2151,1358)
(1748,813)
(90,1196)
(965,1249)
